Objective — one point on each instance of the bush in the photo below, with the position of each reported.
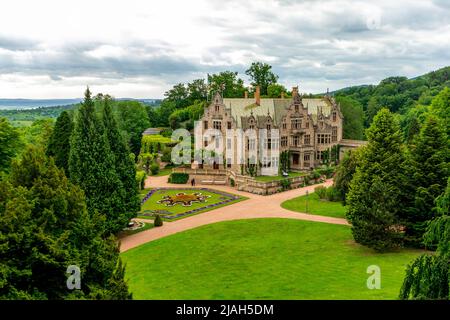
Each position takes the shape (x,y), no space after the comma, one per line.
(178,178)
(332,194)
(158,222)
(315,175)
(321,191)
(285,184)
(232,183)
(326,171)
(167,155)
(140,179)
(154,168)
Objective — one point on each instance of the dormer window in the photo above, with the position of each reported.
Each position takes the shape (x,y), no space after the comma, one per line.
(296,108)
(269,126)
(334,116)
(217,108)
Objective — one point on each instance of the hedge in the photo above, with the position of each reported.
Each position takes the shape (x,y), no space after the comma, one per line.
(178,178)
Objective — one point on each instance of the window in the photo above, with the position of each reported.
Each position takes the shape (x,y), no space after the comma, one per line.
(229,125)
(205,125)
(268,145)
(251,144)
(296,124)
(307,124)
(307,160)
(334,134)
(296,108)
(295,141)
(334,116)
(217,108)
(284,125)
(284,141)
(268,127)
(307,139)
(306,157)
(251,127)
(205,143)
(217,124)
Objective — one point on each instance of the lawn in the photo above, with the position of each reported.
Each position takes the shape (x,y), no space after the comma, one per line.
(162,172)
(213,199)
(314,205)
(262,259)
(278,178)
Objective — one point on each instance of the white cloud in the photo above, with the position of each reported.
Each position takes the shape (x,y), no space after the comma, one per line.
(140,48)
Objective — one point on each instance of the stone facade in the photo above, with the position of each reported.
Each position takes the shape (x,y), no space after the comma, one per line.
(307,128)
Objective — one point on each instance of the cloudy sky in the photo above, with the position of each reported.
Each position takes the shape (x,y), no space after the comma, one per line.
(134,48)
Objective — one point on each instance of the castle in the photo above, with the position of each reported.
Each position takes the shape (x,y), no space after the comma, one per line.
(308,128)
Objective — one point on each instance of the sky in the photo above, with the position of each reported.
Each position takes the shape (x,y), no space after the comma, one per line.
(140,49)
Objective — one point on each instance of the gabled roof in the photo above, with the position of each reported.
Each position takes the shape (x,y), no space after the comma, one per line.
(241,108)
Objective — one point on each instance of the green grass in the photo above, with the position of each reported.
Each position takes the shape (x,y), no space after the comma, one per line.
(162,172)
(151,203)
(313,205)
(262,259)
(278,178)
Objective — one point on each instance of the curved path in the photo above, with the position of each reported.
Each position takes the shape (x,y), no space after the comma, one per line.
(255,207)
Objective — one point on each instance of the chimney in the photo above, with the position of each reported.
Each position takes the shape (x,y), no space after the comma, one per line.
(282,94)
(294,91)
(246,94)
(257,96)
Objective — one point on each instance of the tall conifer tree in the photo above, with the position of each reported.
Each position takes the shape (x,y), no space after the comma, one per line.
(59,144)
(124,164)
(375,191)
(92,167)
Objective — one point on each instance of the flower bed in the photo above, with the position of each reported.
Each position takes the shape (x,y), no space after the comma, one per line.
(217,199)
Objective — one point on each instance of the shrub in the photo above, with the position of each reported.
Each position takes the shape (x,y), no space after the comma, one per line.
(326,171)
(154,168)
(178,178)
(232,183)
(321,191)
(285,184)
(140,179)
(332,194)
(315,175)
(158,222)
(167,155)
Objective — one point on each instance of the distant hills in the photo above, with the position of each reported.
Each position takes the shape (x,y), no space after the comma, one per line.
(19,104)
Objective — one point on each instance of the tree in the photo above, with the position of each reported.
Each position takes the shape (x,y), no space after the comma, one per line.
(353,114)
(440,106)
(179,95)
(375,190)
(228,83)
(124,165)
(261,75)
(134,119)
(428,276)
(92,167)
(197,90)
(10,142)
(345,172)
(275,90)
(59,143)
(44,228)
(429,170)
